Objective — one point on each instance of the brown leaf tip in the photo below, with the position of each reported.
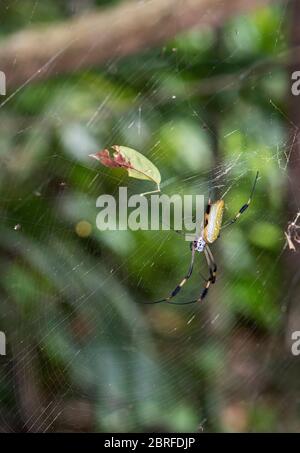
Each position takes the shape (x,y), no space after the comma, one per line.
(112,161)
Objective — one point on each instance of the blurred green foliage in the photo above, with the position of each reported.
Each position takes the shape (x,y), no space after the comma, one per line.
(77,302)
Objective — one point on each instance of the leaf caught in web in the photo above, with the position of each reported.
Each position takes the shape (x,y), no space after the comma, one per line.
(137,165)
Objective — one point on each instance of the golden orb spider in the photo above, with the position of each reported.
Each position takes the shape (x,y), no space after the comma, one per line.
(211,228)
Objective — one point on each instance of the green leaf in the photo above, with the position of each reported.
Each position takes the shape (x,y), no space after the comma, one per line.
(136,164)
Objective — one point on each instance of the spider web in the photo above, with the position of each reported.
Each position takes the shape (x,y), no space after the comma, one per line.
(84,352)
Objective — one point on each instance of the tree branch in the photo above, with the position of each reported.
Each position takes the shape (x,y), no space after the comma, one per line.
(96,38)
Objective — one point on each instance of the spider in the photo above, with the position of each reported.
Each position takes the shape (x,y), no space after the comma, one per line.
(211,228)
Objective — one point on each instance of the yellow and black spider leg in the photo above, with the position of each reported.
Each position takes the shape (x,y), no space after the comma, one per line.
(212,271)
(244,207)
(185,279)
(212,264)
(182,283)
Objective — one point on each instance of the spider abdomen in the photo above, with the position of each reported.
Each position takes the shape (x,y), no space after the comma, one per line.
(213,221)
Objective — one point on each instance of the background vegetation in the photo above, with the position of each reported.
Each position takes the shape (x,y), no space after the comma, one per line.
(209,108)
